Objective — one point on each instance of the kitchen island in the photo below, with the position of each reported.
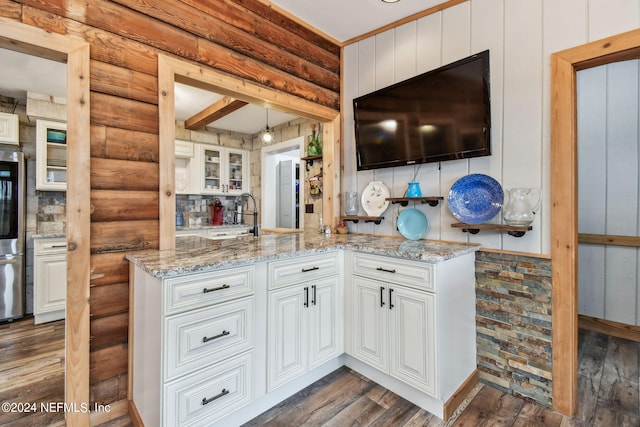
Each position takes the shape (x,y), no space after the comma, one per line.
(220,325)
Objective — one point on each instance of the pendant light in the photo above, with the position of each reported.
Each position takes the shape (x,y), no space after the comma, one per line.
(267,134)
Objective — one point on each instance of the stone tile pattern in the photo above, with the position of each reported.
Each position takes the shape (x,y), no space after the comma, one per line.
(513,320)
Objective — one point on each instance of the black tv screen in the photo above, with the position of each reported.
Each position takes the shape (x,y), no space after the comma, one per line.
(443,114)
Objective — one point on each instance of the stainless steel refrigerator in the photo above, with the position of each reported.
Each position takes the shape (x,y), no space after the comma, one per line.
(12,246)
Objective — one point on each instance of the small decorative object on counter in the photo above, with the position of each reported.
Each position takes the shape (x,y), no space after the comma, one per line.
(216,211)
(342,228)
(179,219)
(414,190)
(314,148)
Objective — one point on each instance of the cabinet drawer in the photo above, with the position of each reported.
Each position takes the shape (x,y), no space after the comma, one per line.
(302,269)
(53,245)
(394,270)
(209,394)
(208,335)
(203,289)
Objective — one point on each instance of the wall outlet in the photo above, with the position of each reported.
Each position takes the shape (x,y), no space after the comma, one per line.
(308,208)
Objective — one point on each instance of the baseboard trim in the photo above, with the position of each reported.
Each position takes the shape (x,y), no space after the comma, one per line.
(136,419)
(460,395)
(609,327)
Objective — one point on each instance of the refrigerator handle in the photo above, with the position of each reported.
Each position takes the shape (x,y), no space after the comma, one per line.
(8,259)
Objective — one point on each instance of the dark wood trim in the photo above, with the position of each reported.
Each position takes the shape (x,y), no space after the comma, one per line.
(460,395)
(136,419)
(609,327)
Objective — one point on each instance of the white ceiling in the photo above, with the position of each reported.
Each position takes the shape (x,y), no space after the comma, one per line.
(336,18)
(346,19)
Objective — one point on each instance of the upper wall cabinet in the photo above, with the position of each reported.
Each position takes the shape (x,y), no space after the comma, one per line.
(184,153)
(51,156)
(9,129)
(222,170)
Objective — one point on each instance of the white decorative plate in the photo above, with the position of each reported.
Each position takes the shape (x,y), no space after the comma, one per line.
(373,198)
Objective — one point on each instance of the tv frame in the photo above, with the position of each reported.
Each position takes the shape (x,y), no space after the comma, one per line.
(451,155)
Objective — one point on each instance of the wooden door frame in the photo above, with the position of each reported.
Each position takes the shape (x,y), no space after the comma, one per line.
(171,70)
(35,41)
(564,203)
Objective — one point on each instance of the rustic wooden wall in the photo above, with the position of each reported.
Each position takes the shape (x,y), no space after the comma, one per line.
(245,38)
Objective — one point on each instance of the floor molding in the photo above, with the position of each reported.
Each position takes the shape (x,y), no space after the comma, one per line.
(460,395)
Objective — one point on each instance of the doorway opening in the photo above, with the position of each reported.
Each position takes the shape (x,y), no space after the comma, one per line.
(281,170)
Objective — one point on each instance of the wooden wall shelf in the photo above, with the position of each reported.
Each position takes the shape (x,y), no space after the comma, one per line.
(375,219)
(404,201)
(512,230)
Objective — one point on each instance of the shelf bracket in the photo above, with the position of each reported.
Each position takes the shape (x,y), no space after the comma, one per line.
(516,233)
(375,221)
(471,230)
(433,203)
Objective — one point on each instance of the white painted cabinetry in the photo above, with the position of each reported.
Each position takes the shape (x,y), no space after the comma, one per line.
(305,316)
(49,279)
(9,129)
(221,170)
(412,324)
(51,155)
(193,342)
(184,164)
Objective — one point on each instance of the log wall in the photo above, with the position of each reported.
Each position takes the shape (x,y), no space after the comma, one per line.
(245,38)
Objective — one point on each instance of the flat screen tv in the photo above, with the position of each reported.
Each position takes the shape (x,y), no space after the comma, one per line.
(443,114)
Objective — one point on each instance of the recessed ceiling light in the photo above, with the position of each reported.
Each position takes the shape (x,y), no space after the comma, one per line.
(390,1)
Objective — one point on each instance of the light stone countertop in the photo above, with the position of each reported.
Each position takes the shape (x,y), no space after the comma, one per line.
(197,254)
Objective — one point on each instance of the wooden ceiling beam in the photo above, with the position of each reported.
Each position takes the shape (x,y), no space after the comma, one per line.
(213,112)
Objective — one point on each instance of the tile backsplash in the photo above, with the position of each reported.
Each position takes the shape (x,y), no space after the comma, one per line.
(195,210)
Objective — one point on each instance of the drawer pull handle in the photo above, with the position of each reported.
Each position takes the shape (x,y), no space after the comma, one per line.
(224,392)
(207,290)
(305,270)
(58,246)
(381,296)
(313,297)
(223,334)
(386,270)
(390,299)
(306,296)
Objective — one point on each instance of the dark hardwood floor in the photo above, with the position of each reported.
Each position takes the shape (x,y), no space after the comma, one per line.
(31,372)
(32,366)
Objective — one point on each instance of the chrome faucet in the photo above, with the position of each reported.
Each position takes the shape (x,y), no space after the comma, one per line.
(255,213)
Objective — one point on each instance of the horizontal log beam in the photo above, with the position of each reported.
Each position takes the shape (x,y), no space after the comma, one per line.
(213,112)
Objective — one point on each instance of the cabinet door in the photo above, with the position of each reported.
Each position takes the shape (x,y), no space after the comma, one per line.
(50,287)
(212,177)
(51,156)
(413,338)
(237,172)
(287,354)
(370,315)
(325,325)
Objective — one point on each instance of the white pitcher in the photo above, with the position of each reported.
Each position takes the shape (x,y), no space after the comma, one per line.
(520,206)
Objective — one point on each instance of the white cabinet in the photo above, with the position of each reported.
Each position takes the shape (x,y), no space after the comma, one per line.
(49,279)
(9,129)
(51,156)
(184,164)
(193,345)
(414,323)
(394,331)
(305,316)
(222,170)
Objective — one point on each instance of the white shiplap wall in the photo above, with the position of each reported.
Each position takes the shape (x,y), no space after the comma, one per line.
(608,189)
(521,36)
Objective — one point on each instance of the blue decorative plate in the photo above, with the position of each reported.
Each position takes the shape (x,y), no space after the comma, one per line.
(412,224)
(476,198)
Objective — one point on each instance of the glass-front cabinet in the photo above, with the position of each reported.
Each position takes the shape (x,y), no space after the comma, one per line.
(51,155)
(224,170)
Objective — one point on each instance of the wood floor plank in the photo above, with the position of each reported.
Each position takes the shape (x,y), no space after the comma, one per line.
(537,416)
(618,391)
(360,412)
(590,364)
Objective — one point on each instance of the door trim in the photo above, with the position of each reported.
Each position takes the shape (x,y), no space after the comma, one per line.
(564,198)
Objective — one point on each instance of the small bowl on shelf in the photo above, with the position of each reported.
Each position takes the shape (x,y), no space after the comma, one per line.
(59,136)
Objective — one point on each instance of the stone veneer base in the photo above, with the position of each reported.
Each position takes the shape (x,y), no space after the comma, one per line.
(513,320)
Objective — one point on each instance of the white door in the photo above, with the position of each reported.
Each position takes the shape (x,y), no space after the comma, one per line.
(287,356)
(325,339)
(370,314)
(412,337)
